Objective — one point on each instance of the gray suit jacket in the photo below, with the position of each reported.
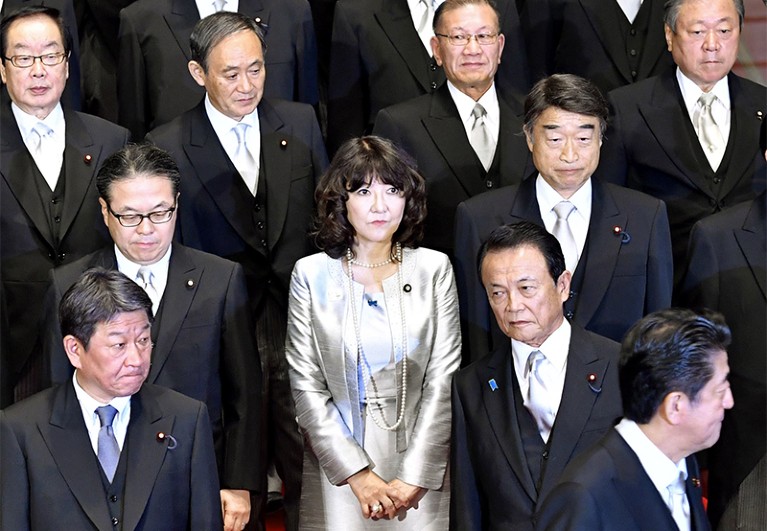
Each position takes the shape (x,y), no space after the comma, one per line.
(50,478)
(322,353)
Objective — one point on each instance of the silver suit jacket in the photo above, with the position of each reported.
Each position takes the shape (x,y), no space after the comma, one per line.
(322,353)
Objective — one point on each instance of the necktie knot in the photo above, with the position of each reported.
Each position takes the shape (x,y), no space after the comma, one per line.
(533,361)
(106,415)
(145,276)
(241,130)
(563,209)
(706,99)
(218,5)
(478,112)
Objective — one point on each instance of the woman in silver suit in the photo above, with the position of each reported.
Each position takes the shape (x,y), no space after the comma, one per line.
(373,342)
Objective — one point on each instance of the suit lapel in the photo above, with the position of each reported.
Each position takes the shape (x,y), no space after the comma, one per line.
(181,20)
(514,155)
(17,167)
(67,438)
(276,157)
(750,239)
(446,130)
(602,17)
(210,161)
(145,454)
(525,206)
(603,251)
(396,22)
(183,282)
(257,10)
(502,415)
(668,121)
(79,174)
(745,128)
(578,400)
(698,517)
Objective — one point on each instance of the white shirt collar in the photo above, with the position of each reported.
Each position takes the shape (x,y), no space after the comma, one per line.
(130,268)
(555,348)
(465,105)
(54,120)
(548,197)
(223,125)
(88,406)
(660,469)
(691,92)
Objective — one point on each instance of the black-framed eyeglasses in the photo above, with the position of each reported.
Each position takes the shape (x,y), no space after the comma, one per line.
(483,39)
(134,220)
(25,61)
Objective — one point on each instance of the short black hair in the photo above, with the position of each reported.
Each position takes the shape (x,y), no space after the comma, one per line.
(98,296)
(134,160)
(34,11)
(668,351)
(211,30)
(520,234)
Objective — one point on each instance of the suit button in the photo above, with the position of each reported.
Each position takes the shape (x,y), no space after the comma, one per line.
(257,207)
(712,202)
(433,85)
(717,180)
(633,32)
(545,454)
(113,498)
(633,53)
(489,183)
(433,67)
(260,225)
(115,521)
(634,73)
(263,243)
(62,256)
(54,200)
(57,219)
(569,314)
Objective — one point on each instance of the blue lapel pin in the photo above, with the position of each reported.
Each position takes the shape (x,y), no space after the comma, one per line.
(492,384)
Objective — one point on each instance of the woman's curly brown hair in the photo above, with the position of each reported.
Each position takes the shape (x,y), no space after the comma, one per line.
(357,162)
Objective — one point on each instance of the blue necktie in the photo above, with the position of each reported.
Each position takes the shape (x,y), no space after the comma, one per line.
(109,450)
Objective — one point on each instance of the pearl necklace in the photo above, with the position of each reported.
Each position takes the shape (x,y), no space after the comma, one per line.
(363,264)
(362,360)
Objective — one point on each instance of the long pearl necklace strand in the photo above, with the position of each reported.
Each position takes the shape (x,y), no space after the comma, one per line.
(362,360)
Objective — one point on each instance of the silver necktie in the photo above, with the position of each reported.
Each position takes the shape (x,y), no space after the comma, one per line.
(630,8)
(243,159)
(108,449)
(678,504)
(539,402)
(480,138)
(145,279)
(564,234)
(709,134)
(47,161)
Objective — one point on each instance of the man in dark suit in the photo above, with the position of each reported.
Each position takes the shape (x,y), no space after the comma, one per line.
(250,201)
(690,136)
(48,161)
(102,451)
(642,475)
(204,345)
(152,82)
(523,412)
(464,137)
(621,267)
(604,41)
(727,272)
(381,56)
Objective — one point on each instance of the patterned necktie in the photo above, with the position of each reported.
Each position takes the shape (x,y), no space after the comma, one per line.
(678,504)
(480,139)
(709,134)
(539,402)
(243,159)
(109,450)
(564,234)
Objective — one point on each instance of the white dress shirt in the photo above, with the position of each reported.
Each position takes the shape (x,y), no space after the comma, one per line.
(207,7)
(88,406)
(720,108)
(465,106)
(661,470)
(159,273)
(223,126)
(56,141)
(578,220)
(555,348)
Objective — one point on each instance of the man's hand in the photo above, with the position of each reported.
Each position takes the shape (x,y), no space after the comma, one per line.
(235,506)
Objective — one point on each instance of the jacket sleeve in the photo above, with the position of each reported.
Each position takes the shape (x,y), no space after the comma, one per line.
(660,263)
(205,500)
(14,482)
(328,436)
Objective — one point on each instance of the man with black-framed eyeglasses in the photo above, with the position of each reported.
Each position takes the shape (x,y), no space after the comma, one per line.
(203,330)
(466,135)
(49,156)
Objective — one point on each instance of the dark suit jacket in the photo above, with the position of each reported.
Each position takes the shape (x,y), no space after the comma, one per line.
(622,281)
(378,60)
(430,129)
(292,159)
(491,483)
(51,478)
(583,37)
(727,272)
(651,146)
(607,488)
(204,348)
(153,82)
(70,98)
(29,250)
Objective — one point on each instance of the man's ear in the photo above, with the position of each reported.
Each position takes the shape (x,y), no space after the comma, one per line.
(674,407)
(74,349)
(197,72)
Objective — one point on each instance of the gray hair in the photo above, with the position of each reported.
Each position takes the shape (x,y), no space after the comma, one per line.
(672,7)
(450,5)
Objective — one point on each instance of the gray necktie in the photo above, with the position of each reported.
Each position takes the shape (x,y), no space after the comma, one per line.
(630,8)
(709,134)
(480,138)
(539,401)
(243,159)
(564,234)
(48,164)
(145,279)
(109,450)
(678,504)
